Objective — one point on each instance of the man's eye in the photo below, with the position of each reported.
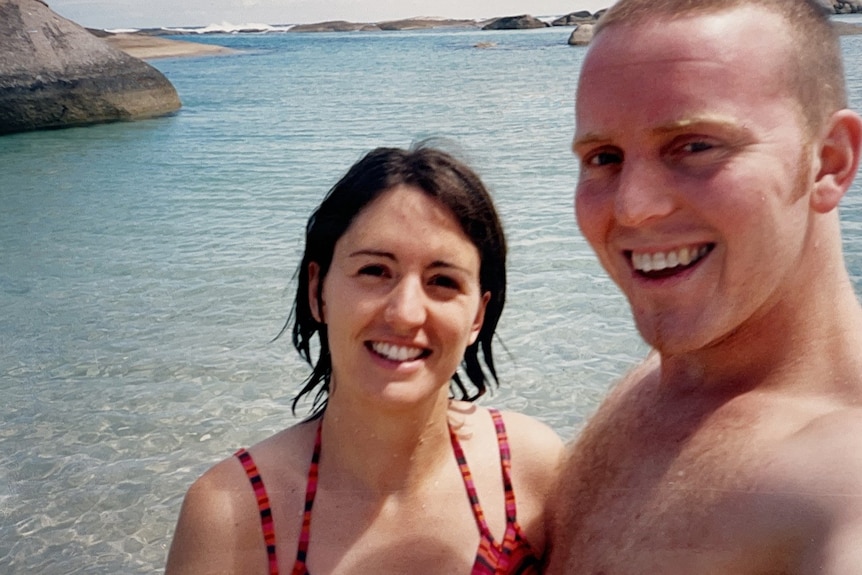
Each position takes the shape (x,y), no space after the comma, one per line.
(603,158)
(698,146)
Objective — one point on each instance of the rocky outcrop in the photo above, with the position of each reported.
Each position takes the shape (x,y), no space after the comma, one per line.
(54,73)
(846,6)
(523,22)
(575,18)
(425,23)
(581,35)
(331,26)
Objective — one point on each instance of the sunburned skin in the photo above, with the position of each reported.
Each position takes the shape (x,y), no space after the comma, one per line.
(712,205)
(596,149)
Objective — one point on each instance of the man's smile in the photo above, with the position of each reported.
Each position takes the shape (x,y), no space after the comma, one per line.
(664,264)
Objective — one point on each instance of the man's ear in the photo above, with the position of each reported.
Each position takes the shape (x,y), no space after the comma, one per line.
(838,160)
(315,297)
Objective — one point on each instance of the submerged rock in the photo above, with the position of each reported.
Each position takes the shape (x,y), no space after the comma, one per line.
(54,74)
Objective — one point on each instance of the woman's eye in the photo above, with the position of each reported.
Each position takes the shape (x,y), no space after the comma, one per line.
(445,281)
(372,270)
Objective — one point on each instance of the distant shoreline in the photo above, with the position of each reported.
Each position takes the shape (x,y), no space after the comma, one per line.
(149,44)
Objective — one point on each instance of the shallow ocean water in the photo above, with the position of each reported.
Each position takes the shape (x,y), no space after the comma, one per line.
(146,267)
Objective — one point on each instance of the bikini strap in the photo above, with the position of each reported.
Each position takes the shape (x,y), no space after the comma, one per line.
(266,521)
(470,485)
(299,567)
(505,463)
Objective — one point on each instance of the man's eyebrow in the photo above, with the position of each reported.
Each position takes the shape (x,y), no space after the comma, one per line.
(587,139)
(714,120)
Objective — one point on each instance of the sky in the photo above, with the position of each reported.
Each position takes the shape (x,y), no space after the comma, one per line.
(110,14)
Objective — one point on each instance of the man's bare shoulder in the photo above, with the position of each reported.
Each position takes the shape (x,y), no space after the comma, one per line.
(630,398)
(762,479)
(608,430)
(822,458)
(817,473)
(642,374)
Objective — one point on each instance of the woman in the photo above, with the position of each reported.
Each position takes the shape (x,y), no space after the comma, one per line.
(402,281)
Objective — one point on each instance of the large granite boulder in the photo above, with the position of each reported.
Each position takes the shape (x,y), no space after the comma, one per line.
(523,22)
(575,18)
(581,35)
(54,73)
(425,23)
(846,6)
(329,26)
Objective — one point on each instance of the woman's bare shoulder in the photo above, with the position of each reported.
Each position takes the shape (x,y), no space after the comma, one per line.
(218,530)
(287,449)
(537,450)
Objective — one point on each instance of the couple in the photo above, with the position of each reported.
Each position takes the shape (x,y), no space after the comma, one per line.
(715,146)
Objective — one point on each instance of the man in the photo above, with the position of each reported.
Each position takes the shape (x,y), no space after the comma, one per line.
(715,146)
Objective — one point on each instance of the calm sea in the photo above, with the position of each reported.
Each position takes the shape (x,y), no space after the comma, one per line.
(145,267)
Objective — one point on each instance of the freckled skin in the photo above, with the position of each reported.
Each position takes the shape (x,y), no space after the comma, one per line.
(732,448)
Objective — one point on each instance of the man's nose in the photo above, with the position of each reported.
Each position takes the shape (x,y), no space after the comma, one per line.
(644,193)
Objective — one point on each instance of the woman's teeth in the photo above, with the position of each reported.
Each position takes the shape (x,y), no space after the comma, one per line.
(396,352)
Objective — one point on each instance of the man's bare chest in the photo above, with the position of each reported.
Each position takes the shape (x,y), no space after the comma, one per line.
(680,497)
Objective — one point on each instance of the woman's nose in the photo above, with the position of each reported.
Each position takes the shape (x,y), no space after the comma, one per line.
(406,305)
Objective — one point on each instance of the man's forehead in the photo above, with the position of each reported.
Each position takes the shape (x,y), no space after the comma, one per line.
(695,36)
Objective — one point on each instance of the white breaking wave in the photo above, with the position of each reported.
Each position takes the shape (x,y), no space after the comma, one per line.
(228,28)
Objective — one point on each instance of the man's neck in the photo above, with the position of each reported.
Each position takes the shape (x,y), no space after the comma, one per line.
(809,342)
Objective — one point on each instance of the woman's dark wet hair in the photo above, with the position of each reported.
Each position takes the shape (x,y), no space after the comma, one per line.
(452,183)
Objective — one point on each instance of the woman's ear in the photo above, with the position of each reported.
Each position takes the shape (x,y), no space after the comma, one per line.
(315,291)
(838,160)
(479,320)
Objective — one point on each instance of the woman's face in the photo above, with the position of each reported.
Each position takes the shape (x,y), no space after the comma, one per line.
(401,300)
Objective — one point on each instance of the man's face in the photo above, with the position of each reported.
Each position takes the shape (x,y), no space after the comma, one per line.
(694,172)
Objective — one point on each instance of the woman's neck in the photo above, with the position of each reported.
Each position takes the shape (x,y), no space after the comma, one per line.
(384,451)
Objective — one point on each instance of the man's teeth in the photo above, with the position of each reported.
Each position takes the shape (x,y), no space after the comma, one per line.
(664,260)
(396,352)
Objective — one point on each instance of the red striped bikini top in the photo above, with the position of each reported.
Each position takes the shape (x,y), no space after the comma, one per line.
(511,556)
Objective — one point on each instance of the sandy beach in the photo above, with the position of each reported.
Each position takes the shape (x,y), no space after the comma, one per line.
(148,47)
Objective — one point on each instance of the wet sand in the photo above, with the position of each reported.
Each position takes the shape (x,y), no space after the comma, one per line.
(148,47)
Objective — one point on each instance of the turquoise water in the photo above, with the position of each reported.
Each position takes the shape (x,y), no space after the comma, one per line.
(146,267)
